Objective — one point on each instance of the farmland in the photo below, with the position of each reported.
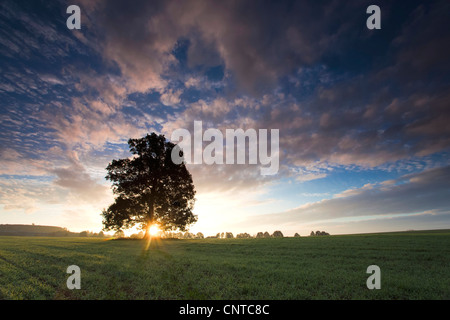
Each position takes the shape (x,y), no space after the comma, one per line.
(414,265)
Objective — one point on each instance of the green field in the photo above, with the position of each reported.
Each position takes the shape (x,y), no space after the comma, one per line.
(414,265)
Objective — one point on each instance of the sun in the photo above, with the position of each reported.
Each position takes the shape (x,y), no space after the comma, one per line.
(154,230)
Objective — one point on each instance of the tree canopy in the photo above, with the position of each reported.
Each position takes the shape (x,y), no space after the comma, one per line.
(150,188)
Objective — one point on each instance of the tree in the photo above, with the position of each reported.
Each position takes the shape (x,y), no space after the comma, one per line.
(229,235)
(266,235)
(84,233)
(244,235)
(296,235)
(319,233)
(119,234)
(277,234)
(150,188)
(188,235)
(260,235)
(199,235)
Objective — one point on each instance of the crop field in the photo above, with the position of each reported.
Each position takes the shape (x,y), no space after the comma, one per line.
(413,265)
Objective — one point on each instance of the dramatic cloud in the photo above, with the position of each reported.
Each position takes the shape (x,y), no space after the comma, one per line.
(257,43)
(80,184)
(419,193)
(345,98)
(27,195)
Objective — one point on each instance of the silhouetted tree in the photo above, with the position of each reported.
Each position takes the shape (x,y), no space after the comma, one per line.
(119,234)
(84,233)
(266,235)
(319,233)
(260,235)
(277,234)
(296,235)
(199,235)
(188,235)
(150,188)
(177,235)
(244,235)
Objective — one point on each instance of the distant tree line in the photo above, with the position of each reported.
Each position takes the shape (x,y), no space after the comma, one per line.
(183,235)
(245,235)
(199,235)
(319,233)
(91,234)
(276,234)
(220,235)
(37,230)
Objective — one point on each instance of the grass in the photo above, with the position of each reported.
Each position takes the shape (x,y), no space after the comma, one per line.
(414,265)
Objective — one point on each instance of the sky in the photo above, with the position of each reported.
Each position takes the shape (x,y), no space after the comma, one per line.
(362,114)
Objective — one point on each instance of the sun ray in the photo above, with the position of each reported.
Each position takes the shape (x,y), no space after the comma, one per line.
(153,231)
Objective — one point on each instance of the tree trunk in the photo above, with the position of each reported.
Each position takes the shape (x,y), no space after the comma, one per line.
(149,219)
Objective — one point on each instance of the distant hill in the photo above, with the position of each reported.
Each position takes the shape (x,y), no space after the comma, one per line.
(34,230)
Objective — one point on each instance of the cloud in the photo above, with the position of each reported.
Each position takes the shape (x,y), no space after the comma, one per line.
(425,192)
(419,58)
(80,184)
(13,162)
(310,176)
(258,44)
(27,195)
(171,97)
(51,79)
(342,118)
